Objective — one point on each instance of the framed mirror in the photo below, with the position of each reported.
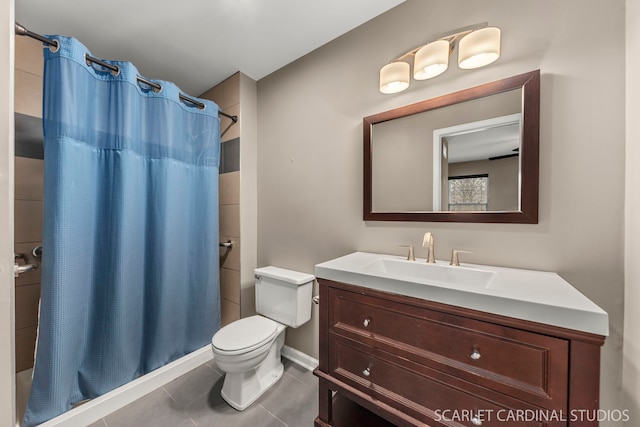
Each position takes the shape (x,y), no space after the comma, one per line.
(469,156)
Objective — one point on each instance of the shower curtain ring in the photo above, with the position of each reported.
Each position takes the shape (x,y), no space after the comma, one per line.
(113,69)
(54,47)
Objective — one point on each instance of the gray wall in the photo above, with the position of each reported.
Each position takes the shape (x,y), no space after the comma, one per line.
(7,289)
(631,369)
(310,149)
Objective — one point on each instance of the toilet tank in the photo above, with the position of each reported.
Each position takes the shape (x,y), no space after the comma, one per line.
(284,295)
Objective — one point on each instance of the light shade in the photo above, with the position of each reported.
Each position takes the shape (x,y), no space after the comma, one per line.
(431,60)
(479,48)
(394,77)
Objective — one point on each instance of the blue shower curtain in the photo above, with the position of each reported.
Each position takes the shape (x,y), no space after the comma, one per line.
(130,268)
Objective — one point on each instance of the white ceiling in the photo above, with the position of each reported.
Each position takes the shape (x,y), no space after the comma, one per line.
(198,43)
(484,143)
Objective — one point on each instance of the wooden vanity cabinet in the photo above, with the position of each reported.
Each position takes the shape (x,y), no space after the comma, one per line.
(406,361)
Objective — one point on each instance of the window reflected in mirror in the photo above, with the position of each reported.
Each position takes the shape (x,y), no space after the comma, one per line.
(468,193)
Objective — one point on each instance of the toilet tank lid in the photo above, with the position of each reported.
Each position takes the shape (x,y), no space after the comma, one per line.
(290,276)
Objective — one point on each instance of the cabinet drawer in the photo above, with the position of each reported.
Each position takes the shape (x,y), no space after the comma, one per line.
(526,365)
(428,395)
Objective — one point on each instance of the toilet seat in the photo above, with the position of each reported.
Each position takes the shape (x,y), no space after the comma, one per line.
(244,335)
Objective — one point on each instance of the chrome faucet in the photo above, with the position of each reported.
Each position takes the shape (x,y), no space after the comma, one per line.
(428,242)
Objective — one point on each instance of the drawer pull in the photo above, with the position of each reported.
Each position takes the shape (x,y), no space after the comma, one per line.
(475,356)
(366,372)
(366,322)
(476,420)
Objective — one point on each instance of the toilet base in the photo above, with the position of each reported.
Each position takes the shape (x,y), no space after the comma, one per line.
(241,389)
(242,392)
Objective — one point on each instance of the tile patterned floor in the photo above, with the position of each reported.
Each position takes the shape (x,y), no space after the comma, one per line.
(193,400)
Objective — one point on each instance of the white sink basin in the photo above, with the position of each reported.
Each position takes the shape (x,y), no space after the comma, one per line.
(537,296)
(435,273)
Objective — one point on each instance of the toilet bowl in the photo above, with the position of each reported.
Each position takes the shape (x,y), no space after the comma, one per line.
(249,349)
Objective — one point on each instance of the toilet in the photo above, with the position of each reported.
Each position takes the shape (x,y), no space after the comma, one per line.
(248,350)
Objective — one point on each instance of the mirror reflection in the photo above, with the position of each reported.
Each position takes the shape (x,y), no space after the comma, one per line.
(477,165)
(470,156)
(419,160)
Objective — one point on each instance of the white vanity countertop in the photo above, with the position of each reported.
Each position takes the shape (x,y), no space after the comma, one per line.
(537,296)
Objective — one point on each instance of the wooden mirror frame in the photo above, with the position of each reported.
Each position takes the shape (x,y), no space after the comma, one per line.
(529,152)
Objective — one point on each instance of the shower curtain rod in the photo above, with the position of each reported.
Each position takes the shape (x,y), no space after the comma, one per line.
(22,31)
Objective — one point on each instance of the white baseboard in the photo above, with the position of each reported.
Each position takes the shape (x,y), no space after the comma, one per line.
(300,358)
(102,406)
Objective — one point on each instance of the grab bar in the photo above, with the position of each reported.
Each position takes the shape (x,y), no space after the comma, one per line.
(24,268)
(228,244)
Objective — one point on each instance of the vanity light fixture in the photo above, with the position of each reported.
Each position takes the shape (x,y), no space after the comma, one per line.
(478,45)
(431,60)
(394,77)
(479,48)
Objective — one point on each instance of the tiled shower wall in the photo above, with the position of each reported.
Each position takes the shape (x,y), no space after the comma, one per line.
(227,96)
(28,200)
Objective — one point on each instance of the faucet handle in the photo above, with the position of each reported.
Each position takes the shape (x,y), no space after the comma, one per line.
(455,259)
(410,255)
